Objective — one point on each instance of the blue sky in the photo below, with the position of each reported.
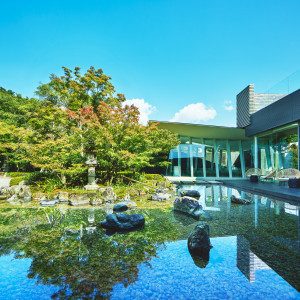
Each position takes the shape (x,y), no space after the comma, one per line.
(170,53)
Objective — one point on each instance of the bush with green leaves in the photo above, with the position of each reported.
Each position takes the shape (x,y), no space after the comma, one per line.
(16,180)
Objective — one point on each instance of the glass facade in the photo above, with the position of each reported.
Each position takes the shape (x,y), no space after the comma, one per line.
(208,158)
(278,149)
(216,158)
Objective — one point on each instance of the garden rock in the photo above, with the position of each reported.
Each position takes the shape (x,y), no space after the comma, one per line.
(127,197)
(97,201)
(4,196)
(190,193)
(81,199)
(125,205)
(192,207)
(198,242)
(39,197)
(62,196)
(25,193)
(239,200)
(12,198)
(141,193)
(49,202)
(108,195)
(160,197)
(21,183)
(122,222)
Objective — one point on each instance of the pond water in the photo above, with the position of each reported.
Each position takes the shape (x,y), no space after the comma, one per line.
(61,253)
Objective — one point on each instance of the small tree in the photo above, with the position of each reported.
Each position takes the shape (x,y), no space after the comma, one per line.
(52,145)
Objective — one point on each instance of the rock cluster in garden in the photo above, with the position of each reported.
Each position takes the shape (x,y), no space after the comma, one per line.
(16,194)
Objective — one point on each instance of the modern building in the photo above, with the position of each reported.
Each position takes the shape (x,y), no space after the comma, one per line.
(266,137)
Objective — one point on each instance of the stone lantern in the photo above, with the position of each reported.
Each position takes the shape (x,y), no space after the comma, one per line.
(92,163)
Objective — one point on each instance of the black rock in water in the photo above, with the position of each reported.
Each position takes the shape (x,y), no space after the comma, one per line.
(199,244)
(123,222)
(190,193)
(192,207)
(238,200)
(120,207)
(124,205)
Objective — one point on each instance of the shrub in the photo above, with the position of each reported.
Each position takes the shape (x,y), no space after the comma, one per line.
(47,181)
(17,174)
(16,180)
(156,177)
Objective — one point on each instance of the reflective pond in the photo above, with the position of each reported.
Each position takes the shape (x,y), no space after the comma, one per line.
(62,253)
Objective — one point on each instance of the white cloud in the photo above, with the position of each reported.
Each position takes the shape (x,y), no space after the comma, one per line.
(228,105)
(194,113)
(144,108)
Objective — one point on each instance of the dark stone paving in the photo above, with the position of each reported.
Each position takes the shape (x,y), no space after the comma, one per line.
(268,189)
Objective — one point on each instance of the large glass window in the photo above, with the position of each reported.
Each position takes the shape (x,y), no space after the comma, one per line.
(235,159)
(278,149)
(198,154)
(222,158)
(210,162)
(173,169)
(185,159)
(248,150)
(198,157)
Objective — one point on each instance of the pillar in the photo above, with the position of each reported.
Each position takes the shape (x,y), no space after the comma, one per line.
(229,158)
(255,152)
(216,158)
(242,158)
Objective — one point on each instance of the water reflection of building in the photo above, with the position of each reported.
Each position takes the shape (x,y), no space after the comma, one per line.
(247,261)
(266,242)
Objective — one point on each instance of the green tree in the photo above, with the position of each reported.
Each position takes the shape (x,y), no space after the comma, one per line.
(120,142)
(13,146)
(52,144)
(74,91)
(16,110)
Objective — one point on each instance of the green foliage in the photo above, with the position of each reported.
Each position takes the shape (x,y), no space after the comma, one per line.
(16,180)
(153,177)
(12,146)
(119,141)
(74,91)
(17,174)
(45,181)
(16,110)
(80,114)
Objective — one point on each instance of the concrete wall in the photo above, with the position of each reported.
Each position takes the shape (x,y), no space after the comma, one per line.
(243,100)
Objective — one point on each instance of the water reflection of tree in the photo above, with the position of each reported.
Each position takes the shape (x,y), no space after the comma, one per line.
(82,264)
